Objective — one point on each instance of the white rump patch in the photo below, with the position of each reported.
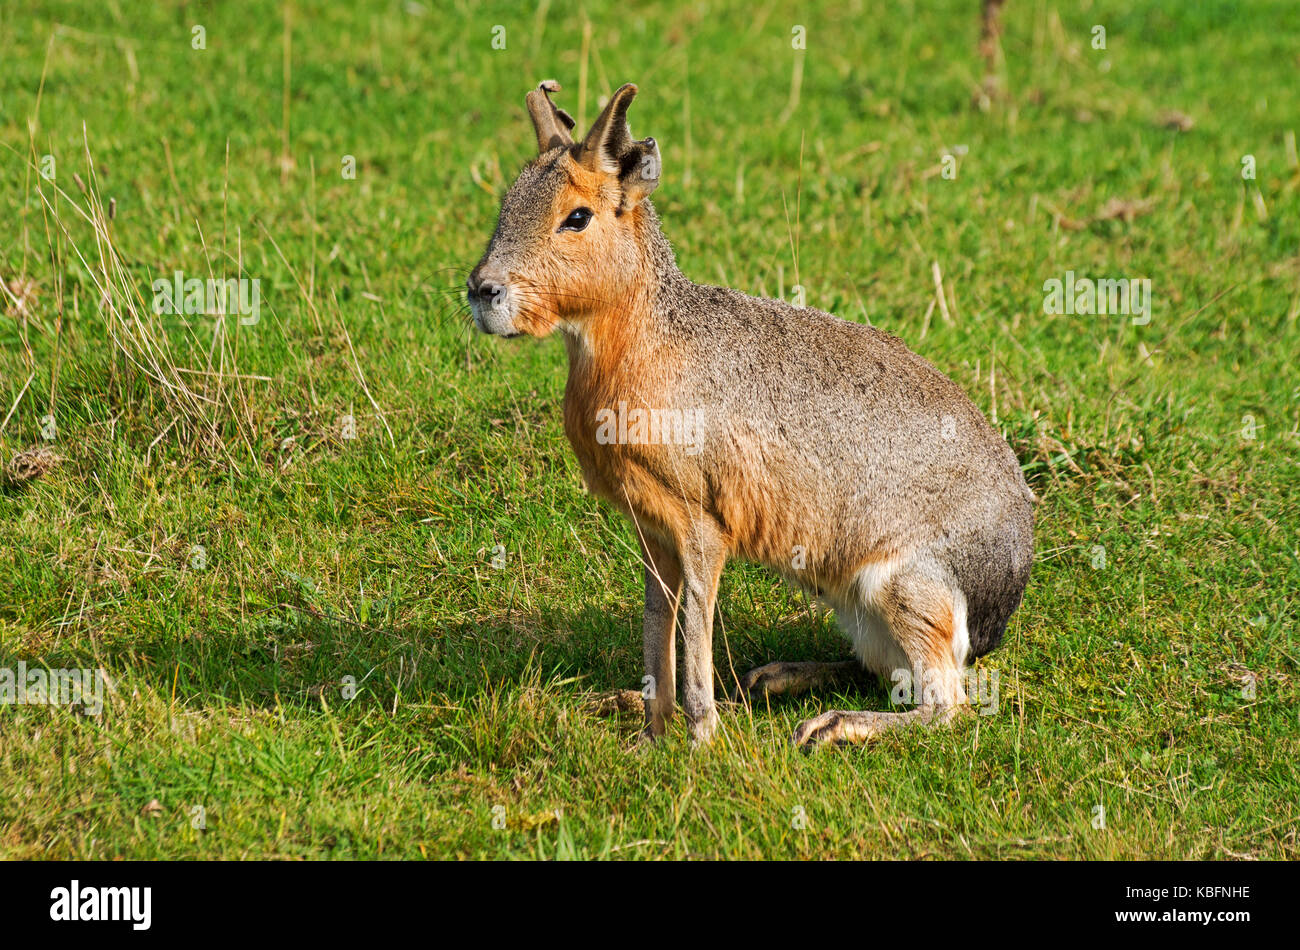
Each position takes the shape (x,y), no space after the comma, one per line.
(960,632)
(862,621)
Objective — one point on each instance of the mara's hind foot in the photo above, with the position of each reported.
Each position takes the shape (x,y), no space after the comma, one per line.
(784,679)
(852,727)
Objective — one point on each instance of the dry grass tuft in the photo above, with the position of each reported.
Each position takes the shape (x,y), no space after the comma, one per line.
(30,464)
(196,378)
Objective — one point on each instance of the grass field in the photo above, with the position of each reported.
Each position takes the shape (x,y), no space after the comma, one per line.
(237,516)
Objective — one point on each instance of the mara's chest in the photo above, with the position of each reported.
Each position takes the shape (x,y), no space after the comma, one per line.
(637,449)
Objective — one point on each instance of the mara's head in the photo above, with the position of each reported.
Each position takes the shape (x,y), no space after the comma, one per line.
(570,238)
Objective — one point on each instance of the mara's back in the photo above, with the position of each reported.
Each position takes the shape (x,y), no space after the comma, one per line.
(873,423)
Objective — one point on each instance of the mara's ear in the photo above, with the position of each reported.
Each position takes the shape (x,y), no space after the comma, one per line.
(552,124)
(610,148)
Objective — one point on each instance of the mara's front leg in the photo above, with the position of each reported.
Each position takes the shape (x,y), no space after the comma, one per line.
(702,555)
(663,582)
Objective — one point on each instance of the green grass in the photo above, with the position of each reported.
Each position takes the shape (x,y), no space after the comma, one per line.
(1120,685)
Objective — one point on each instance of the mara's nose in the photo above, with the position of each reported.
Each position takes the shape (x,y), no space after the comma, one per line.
(484,288)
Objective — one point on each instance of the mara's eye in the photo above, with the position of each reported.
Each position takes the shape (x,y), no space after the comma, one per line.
(578,219)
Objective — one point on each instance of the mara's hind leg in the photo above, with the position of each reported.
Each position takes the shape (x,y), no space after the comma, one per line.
(786,679)
(925,619)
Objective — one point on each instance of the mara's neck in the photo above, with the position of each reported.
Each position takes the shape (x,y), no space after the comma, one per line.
(631,324)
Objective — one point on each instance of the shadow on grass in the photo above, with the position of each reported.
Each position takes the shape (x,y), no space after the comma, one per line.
(293,656)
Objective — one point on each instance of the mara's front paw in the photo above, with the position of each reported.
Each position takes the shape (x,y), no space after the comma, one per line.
(704,727)
(652,732)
